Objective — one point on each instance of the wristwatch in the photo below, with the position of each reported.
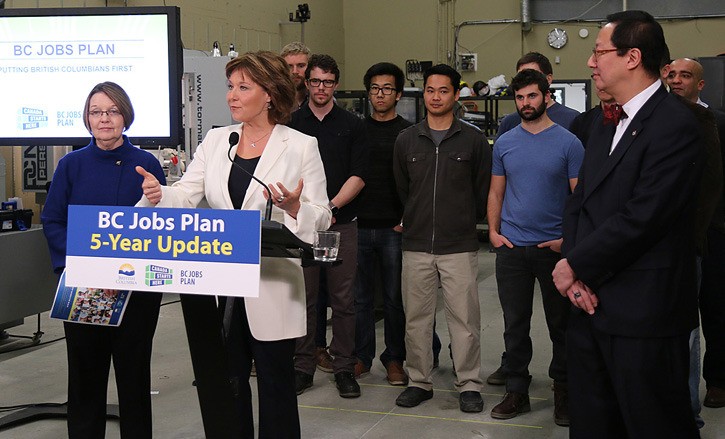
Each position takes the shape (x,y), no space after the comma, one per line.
(333,208)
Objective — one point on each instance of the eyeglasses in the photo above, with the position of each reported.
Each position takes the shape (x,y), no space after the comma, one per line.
(598,53)
(327,83)
(110,113)
(387,91)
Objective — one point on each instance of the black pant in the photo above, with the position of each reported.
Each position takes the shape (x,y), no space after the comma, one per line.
(278,416)
(626,387)
(516,270)
(712,309)
(90,350)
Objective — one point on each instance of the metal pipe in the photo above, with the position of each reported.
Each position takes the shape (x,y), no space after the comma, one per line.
(588,20)
(602,20)
(525,15)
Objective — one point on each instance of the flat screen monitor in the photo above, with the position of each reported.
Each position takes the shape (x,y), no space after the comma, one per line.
(575,94)
(51,58)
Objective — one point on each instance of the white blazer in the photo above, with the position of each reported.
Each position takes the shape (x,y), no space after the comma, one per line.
(279,311)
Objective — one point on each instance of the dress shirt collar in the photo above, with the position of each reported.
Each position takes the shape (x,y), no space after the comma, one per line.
(637,102)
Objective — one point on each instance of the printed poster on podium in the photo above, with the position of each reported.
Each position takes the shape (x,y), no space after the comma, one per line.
(194,251)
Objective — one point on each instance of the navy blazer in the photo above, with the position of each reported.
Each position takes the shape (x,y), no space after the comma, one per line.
(628,226)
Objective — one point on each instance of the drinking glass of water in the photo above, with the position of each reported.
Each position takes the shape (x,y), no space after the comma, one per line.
(326,245)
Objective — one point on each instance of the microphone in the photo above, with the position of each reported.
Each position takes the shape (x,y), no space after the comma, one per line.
(233,140)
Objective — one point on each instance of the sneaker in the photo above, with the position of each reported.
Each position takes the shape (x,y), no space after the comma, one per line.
(396,374)
(346,385)
(324,360)
(498,378)
(302,381)
(470,402)
(512,405)
(561,404)
(361,369)
(413,396)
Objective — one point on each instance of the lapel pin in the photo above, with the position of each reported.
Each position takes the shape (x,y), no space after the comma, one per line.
(634,133)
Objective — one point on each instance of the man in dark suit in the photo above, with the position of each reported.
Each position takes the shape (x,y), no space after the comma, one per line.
(629,266)
(685,79)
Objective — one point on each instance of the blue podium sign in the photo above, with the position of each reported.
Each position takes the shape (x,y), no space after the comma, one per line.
(197,251)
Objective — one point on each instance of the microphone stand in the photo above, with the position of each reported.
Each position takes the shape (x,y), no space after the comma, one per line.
(233,140)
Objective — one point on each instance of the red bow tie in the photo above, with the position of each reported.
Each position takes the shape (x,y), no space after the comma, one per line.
(613,113)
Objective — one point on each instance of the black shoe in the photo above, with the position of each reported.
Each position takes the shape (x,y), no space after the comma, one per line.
(413,396)
(346,385)
(498,378)
(302,381)
(470,402)
(561,404)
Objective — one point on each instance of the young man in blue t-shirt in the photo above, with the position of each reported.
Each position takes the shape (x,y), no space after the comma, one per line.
(535,166)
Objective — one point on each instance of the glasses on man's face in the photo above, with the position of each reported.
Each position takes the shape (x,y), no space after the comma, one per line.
(387,91)
(110,113)
(599,52)
(327,83)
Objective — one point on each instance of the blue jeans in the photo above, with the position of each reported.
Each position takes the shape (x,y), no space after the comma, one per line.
(382,245)
(695,362)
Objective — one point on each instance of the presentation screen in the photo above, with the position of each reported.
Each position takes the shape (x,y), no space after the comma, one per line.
(50,59)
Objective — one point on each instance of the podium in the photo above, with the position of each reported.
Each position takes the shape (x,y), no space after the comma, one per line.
(205,334)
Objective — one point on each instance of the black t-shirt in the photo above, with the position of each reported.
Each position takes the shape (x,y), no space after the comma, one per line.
(344,149)
(379,205)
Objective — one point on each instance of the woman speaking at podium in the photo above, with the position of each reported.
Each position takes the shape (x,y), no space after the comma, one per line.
(261,95)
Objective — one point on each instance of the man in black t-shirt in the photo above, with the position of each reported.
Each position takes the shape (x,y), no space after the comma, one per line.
(379,232)
(343,146)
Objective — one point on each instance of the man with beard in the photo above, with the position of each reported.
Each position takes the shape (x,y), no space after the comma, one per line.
(558,113)
(535,166)
(297,56)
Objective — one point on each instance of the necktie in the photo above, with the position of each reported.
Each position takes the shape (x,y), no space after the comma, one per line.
(613,113)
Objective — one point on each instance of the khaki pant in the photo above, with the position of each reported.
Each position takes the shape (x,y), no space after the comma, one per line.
(457,273)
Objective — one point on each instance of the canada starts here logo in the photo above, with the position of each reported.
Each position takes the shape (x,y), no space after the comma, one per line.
(32,118)
(126,275)
(156,276)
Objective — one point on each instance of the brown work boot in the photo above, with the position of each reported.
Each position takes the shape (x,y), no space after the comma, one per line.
(361,369)
(714,398)
(324,360)
(561,404)
(513,404)
(497,378)
(396,374)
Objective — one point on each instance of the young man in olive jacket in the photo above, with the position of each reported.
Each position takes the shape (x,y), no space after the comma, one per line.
(442,169)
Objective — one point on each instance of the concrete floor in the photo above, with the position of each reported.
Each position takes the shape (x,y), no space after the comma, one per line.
(38,375)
